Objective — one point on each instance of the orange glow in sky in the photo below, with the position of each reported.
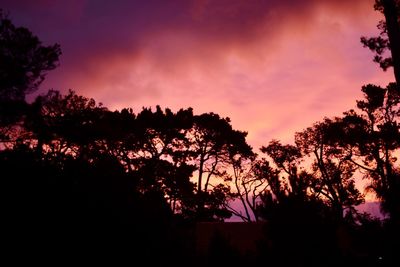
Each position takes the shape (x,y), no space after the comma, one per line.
(274,67)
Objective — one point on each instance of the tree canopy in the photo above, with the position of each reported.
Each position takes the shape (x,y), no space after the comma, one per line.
(389,38)
(24,61)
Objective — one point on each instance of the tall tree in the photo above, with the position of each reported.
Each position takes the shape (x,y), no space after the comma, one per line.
(389,38)
(249,185)
(24,61)
(298,217)
(213,142)
(334,180)
(372,139)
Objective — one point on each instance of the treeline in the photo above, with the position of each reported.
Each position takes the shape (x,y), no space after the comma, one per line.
(69,164)
(81,180)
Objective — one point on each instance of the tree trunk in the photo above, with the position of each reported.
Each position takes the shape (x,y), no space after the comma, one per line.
(200,201)
(200,174)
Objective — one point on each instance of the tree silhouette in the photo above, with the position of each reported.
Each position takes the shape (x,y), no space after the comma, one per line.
(287,158)
(296,218)
(158,149)
(389,38)
(249,185)
(24,62)
(72,181)
(333,174)
(62,125)
(213,143)
(370,140)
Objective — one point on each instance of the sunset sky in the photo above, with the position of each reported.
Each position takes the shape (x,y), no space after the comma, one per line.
(273,66)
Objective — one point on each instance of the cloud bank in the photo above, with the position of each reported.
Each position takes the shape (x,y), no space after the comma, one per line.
(274,67)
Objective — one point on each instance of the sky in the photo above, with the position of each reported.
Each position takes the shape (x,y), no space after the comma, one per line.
(274,67)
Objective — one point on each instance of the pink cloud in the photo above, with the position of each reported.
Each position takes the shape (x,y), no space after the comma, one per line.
(274,67)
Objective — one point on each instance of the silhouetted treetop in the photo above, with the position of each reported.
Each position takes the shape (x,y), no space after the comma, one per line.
(389,38)
(282,155)
(24,61)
